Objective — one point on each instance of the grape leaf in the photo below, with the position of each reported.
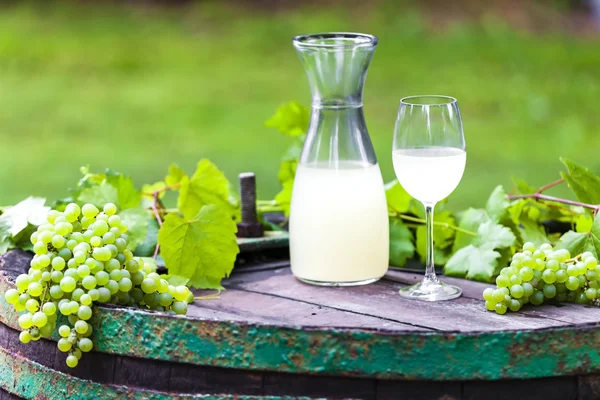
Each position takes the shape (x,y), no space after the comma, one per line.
(440,256)
(137,223)
(401,243)
(208,185)
(470,220)
(497,204)
(99,195)
(287,171)
(5,236)
(474,263)
(284,197)
(578,243)
(128,195)
(32,211)
(203,249)
(175,175)
(148,191)
(584,223)
(290,119)
(584,183)
(523,187)
(398,199)
(491,235)
(532,231)
(148,246)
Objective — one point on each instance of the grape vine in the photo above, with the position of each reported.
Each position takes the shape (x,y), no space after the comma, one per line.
(81,259)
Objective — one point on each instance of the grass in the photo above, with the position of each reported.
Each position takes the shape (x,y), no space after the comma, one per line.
(135,89)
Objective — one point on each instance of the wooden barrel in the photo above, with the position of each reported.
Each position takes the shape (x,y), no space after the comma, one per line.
(272,337)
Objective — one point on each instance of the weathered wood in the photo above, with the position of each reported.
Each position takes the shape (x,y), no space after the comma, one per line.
(560,388)
(381,299)
(4,395)
(588,387)
(407,390)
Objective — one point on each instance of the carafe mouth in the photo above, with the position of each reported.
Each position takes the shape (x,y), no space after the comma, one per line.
(333,41)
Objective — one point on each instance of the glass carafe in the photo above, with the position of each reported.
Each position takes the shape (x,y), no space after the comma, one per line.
(338,219)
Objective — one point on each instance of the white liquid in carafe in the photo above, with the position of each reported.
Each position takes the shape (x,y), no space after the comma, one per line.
(339,224)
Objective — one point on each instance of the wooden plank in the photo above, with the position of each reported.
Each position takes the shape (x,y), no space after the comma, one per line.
(588,387)
(564,312)
(319,386)
(418,390)
(93,366)
(4,395)
(258,307)
(139,372)
(381,299)
(559,388)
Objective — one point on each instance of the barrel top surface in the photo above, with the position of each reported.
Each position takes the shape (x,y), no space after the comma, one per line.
(268,320)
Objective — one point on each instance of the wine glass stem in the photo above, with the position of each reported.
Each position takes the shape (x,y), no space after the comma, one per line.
(429,261)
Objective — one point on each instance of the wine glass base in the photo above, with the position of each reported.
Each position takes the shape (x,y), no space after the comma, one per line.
(429,290)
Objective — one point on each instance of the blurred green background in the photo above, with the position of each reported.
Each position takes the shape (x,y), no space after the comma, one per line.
(136,87)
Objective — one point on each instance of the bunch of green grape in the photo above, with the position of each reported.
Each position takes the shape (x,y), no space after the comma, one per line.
(81,258)
(536,274)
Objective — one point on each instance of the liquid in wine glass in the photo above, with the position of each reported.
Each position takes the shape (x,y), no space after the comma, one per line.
(429,158)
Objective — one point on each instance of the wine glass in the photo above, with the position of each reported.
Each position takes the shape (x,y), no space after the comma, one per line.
(429,157)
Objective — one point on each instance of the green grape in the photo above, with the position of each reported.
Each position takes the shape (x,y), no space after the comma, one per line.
(572,283)
(490,305)
(103,295)
(23,298)
(108,238)
(549,291)
(11,296)
(591,262)
(71,273)
(591,294)
(120,243)
(514,306)
(46,276)
(25,337)
(116,275)
(537,298)
(163,286)
(25,321)
(137,278)
(85,345)
(65,254)
(125,285)
(526,274)
(112,265)
(83,271)
(549,276)
(68,284)
(49,308)
(148,285)
(77,293)
(593,284)
(19,307)
(100,227)
(151,299)
(125,274)
(58,241)
(71,244)
(502,281)
(561,276)
(500,308)
(180,308)
(528,246)
(35,289)
(516,291)
(115,221)
(45,237)
(64,228)
(137,295)
(64,345)
(81,327)
(101,254)
(56,292)
(582,280)
(581,299)
(562,255)
(166,299)
(35,334)
(113,287)
(553,265)
(89,211)
(47,330)
(73,307)
(43,260)
(581,268)
(191,298)
(560,297)
(110,209)
(128,255)
(572,270)
(586,254)
(182,292)
(102,278)
(591,275)
(32,305)
(96,241)
(539,265)
(102,217)
(89,282)
(35,262)
(72,361)
(113,250)
(22,282)
(79,256)
(39,319)
(86,299)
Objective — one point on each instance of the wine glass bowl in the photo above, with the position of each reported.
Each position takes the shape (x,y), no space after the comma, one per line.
(429,157)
